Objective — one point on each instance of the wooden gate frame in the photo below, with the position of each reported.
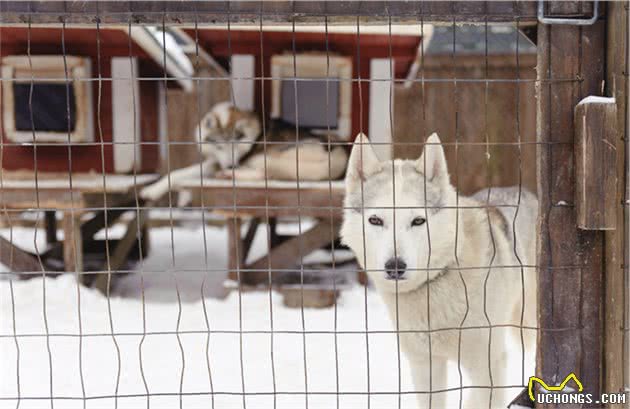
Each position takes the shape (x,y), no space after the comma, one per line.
(586,337)
(615,373)
(581,273)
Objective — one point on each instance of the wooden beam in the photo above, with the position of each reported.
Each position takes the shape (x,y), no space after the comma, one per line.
(121,251)
(615,338)
(16,259)
(51,226)
(249,236)
(235,249)
(570,260)
(72,242)
(288,254)
(595,125)
(276,12)
(272,202)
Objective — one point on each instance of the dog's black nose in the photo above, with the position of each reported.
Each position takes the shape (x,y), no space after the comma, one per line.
(395,268)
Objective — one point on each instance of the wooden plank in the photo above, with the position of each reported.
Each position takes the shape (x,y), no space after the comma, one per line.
(72,242)
(596,163)
(617,240)
(51,226)
(249,236)
(17,259)
(274,202)
(504,112)
(570,260)
(289,253)
(308,297)
(235,248)
(249,12)
(76,182)
(121,251)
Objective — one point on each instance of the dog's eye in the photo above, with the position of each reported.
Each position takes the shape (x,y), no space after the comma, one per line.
(418,221)
(376,221)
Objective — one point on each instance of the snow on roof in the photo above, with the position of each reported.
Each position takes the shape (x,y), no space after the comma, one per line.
(165,50)
(471,39)
(383,29)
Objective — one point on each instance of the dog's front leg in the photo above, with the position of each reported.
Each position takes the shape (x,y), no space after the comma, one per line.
(474,362)
(161,187)
(431,381)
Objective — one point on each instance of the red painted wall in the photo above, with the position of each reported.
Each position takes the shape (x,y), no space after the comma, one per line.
(83,42)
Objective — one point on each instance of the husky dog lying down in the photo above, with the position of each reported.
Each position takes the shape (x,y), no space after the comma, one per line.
(228,138)
(446,268)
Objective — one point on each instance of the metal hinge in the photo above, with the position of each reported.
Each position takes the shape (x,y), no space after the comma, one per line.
(567,21)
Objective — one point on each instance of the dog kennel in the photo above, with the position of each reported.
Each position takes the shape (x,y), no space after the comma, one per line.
(100,97)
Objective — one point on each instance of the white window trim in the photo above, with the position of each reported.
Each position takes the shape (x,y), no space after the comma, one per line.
(381,101)
(126,114)
(49,69)
(315,65)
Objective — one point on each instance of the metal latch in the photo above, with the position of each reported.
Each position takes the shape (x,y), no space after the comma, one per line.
(567,21)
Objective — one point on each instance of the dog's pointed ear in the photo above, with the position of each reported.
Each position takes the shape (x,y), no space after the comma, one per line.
(432,162)
(363,161)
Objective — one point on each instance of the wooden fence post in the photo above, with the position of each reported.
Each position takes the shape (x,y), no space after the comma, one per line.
(615,340)
(570,261)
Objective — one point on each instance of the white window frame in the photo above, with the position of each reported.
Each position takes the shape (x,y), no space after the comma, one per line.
(315,65)
(49,69)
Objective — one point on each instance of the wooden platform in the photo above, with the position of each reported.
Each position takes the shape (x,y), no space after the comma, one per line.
(27,190)
(274,198)
(254,202)
(106,198)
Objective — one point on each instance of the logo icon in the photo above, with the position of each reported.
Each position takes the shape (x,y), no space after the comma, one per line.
(559,388)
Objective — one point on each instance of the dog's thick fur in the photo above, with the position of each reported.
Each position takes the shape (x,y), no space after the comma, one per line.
(462,272)
(227,137)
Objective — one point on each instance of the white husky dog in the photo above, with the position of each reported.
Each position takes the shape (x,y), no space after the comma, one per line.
(449,270)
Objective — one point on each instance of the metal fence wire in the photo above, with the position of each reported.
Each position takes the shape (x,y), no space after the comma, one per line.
(224,132)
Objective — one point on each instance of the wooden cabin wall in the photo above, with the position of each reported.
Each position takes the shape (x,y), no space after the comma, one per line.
(468,112)
(185,110)
(86,157)
(264,45)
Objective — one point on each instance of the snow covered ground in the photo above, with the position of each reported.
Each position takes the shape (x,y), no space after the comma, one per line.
(162,347)
(178,354)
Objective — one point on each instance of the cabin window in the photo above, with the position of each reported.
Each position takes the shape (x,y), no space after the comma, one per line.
(44,102)
(314,108)
(50,105)
(323,88)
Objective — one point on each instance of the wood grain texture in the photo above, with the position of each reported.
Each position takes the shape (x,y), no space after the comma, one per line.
(615,341)
(468,113)
(185,111)
(272,12)
(289,253)
(273,202)
(595,125)
(16,259)
(72,242)
(570,272)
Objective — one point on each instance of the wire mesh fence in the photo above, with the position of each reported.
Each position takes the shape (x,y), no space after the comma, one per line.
(192,214)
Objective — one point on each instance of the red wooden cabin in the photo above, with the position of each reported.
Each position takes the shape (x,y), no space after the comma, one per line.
(361,51)
(100,128)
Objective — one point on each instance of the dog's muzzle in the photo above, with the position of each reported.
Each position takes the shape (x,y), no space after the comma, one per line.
(395,268)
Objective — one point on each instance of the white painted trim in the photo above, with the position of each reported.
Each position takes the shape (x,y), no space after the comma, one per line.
(126,131)
(380,127)
(316,65)
(20,68)
(243,66)
(151,40)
